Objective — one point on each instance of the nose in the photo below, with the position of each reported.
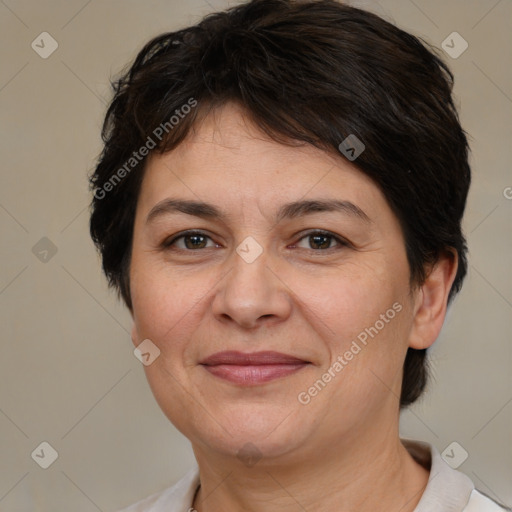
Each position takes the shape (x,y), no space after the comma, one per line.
(252,294)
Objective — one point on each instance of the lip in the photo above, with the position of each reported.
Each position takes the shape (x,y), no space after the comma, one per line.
(248,369)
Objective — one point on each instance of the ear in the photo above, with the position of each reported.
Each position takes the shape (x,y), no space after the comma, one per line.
(432,300)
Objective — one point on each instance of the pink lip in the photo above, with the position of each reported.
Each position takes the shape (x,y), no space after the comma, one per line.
(254,368)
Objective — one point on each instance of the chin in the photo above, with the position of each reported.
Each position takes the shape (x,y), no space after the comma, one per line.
(250,435)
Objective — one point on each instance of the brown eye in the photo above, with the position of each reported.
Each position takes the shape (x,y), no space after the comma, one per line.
(319,240)
(192,240)
(195,241)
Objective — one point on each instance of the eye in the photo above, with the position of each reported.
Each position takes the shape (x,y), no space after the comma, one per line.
(194,240)
(321,240)
(189,240)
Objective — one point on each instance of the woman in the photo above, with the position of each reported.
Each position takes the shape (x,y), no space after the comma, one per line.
(279,204)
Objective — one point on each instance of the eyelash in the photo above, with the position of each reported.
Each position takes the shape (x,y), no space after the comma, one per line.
(167,244)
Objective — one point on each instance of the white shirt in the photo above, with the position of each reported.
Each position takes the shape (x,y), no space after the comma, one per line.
(447,490)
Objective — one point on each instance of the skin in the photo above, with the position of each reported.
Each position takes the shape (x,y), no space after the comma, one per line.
(341,451)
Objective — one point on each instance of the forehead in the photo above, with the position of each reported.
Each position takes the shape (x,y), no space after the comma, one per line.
(228,159)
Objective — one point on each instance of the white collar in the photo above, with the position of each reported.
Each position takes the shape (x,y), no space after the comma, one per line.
(447,489)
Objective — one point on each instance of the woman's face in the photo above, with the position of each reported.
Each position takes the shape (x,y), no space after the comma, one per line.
(260,277)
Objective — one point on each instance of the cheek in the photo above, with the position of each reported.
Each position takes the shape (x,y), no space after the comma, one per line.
(363,318)
(165,304)
(349,300)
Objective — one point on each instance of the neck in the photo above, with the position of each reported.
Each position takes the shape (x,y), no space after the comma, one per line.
(377,474)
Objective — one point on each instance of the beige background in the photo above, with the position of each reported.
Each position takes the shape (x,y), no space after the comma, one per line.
(68,375)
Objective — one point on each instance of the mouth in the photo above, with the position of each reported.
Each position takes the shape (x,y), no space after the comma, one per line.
(250,369)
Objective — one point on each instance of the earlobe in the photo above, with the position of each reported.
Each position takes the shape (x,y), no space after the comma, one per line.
(432,301)
(135,335)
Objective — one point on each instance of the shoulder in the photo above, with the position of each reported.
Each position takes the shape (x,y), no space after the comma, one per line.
(478,502)
(447,489)
(173,499)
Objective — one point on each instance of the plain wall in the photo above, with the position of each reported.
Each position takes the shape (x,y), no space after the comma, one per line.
(68,375)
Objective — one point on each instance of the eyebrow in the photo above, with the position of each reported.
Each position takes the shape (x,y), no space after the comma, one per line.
(287,211)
